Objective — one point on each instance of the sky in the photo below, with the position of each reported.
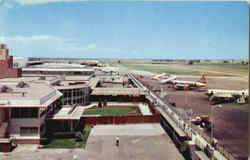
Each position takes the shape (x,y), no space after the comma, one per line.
(125,29)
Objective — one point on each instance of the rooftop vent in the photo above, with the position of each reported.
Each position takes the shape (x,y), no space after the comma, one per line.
(5,89)
(22,85)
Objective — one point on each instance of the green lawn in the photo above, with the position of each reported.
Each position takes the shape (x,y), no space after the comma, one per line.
(171,69)
(108,111)
(68,142)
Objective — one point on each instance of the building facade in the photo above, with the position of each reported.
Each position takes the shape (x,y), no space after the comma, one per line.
(24,110)
(6,64)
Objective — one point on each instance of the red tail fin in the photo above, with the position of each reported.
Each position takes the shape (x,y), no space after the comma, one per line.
(203,79)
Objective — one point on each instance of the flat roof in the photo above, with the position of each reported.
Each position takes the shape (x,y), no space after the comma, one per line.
(37,93)
(118,91)
(77,78)
(77,86)
(69,113)
(28,78)
(58,65)
(57,70)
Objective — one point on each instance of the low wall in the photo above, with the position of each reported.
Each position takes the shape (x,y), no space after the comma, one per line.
(27,141)
(122,119)
(5,147)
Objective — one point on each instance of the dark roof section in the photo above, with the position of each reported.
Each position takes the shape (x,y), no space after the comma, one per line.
(22,85)
(5,89)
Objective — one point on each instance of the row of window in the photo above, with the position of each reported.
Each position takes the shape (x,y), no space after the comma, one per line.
(66,101)
(24,113)
(69,93)
(77,98)
(57,73)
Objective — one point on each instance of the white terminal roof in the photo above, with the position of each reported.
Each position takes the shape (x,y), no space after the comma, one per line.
(77,78)
(29,79)
(69,113)
(37,94)
(58,65)
(109,69)
(118,91)
(35,79)
(58,69)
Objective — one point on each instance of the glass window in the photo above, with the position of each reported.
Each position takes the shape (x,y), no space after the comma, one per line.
(24,113)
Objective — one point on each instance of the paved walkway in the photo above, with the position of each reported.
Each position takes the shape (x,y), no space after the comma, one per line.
(135,143)
(128,129)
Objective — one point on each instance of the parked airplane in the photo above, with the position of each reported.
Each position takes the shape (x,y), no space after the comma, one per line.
(220,95)
(188,85)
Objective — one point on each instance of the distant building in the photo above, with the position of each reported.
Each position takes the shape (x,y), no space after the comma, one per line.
(57,71)
(90,63)
(20,62)
(6,64)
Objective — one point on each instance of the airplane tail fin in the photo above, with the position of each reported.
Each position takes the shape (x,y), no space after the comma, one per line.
(203,79)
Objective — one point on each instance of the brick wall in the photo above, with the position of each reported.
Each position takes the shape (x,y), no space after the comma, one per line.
(122,119)
(6,65)
(27,141)
(6,70)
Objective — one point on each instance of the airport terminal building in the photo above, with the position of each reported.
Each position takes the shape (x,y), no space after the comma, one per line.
(32,100)
(26,102)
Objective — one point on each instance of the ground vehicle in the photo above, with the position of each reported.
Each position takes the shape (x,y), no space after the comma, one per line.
(221,95)
(203,121)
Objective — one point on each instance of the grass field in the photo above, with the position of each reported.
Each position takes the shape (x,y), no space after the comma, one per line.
(234,68)
(69,142)
(108,111)
(155,68)
(185,69)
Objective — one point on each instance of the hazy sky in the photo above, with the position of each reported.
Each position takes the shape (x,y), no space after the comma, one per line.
(87,29)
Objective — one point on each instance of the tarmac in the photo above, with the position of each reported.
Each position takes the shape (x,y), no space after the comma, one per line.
(138,141)
(128,130)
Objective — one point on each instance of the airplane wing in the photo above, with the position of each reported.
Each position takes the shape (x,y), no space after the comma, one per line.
(220,98)
(223,95)
(168,79)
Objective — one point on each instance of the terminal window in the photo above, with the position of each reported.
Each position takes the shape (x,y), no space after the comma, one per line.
(24,113)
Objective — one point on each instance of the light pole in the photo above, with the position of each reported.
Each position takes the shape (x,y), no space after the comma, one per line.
(212,122)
